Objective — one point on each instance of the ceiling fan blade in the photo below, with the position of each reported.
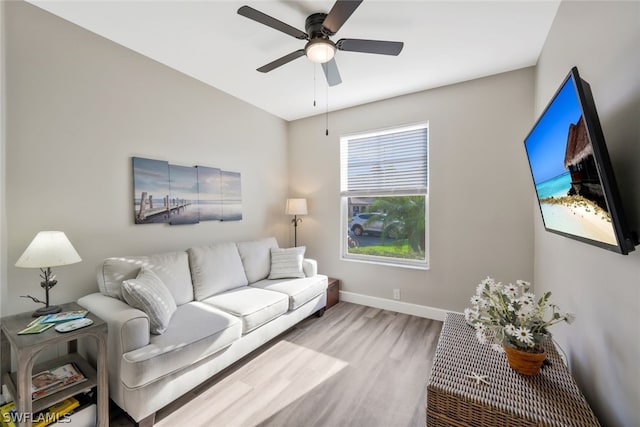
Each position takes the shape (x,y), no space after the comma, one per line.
(281,61)
(340,12)
(331,72)
(370,46)
(256,15)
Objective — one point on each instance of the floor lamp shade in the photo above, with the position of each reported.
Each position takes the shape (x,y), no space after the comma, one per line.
(296,207)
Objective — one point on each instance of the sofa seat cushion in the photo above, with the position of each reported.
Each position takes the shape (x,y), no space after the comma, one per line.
(253,306)
(196,330)
(299,291)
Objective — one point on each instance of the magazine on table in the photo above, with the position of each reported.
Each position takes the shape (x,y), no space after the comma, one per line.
(64,316)
(35,327)
(52,380)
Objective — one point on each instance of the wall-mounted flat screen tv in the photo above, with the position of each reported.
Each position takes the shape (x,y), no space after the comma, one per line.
(572,173)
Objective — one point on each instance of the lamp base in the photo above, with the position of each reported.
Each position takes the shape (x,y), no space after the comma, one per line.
(43,311)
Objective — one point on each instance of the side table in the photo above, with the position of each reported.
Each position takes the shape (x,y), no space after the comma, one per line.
(550,398)
(333,292)
(28,347)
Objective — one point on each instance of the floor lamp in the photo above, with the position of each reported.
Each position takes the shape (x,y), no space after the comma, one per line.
(296,207)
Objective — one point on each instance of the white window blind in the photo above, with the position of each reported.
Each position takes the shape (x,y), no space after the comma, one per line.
(385,163)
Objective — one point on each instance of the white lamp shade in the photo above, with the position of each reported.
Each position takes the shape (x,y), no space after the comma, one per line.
(296,207)
(48,249)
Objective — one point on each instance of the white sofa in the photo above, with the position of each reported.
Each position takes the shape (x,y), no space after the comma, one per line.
(226,308)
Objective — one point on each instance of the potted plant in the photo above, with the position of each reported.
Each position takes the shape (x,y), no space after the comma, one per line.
(511,316)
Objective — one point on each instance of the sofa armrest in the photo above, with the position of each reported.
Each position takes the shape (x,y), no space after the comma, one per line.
(128,330)
(309,267)
(128,326)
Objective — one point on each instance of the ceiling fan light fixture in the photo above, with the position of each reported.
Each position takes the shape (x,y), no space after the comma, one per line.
(320,50)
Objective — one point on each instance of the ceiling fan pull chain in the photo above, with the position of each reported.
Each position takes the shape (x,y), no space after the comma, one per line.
(326,132)
(315,67)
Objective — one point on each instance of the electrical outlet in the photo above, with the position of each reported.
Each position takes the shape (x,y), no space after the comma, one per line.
(396,294)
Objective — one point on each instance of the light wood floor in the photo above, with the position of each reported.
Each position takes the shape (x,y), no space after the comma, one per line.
(355,366)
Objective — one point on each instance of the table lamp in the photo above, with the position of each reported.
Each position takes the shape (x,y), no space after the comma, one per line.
(296,207)
(48,249)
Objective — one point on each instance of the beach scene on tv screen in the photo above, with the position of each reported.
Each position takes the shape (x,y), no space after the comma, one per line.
(564,171)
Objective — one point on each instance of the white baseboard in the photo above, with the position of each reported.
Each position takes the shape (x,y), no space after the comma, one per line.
(393,305)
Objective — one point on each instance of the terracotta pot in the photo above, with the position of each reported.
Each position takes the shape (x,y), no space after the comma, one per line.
(524,362)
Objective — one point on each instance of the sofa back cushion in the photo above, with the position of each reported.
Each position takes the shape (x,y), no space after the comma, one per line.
(171,267)
(215,269)
(256,257)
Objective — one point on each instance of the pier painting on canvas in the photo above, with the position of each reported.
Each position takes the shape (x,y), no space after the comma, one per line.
(150,190)
(167,193)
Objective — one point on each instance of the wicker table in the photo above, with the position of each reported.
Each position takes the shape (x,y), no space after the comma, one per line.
(550,398)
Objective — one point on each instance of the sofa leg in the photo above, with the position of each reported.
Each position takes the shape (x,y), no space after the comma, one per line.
(320,312)
(147,421)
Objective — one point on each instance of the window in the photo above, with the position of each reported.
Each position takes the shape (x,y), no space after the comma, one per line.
(384,191)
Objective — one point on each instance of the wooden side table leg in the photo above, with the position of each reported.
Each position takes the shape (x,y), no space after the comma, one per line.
(103,382)
(23,388)
(5,356)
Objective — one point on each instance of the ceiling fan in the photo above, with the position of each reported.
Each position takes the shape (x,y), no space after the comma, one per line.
(319,48)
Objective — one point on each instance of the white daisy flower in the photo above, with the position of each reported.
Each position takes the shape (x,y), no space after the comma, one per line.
(495,286)
(488,281)
(570,317)
(470,314)
(475,300)
(526,305)
(529,295)
(510,329)
(523,283)
(523,316)
(481,337)
(525,336)
(510,290)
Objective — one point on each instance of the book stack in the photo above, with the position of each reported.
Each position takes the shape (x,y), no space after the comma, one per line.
(61,412)
(43,384)
(52,380)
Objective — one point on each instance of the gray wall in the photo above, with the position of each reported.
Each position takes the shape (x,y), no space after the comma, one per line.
(603,346)
(79,107)
(480,188)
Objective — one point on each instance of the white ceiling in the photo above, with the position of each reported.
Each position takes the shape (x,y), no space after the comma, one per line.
(445,42)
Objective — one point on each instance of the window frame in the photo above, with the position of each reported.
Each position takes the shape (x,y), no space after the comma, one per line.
(344,205)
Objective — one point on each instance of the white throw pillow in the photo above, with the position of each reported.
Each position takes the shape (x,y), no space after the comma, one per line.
(286,263)
(148,293)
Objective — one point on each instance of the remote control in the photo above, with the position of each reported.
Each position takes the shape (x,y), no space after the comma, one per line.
(73,325)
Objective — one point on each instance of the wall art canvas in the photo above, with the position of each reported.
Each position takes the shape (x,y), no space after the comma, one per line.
(183,197)
(210,193)
(150,190)
(231,196)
